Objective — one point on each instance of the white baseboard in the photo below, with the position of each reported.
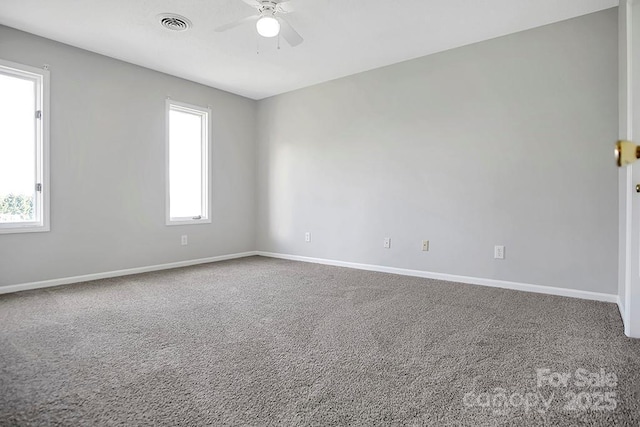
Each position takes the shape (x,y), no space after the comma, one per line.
(117,273)
(550,290)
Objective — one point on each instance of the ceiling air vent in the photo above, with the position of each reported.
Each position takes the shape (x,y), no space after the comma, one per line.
(174,22)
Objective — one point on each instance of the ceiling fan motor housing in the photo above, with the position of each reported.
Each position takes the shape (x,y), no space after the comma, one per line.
(268,7)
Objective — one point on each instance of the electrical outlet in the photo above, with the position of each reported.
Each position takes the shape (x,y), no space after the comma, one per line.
(498,252)
(387,242)
(425,245)
(183,240)
(307,237)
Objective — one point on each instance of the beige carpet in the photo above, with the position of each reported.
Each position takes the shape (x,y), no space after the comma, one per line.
(260,341)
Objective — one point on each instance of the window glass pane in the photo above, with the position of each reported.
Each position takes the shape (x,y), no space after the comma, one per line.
(17,149)
(185,164)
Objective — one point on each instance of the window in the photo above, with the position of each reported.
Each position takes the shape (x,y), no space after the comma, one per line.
(187,164)
(24,148)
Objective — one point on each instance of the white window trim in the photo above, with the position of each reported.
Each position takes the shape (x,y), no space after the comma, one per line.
(206,176)
(41,76)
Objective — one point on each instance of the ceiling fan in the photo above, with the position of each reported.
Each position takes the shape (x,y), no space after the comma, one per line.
(269,22)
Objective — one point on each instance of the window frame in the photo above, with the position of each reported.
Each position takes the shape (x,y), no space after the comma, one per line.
(41,203)
(205,144)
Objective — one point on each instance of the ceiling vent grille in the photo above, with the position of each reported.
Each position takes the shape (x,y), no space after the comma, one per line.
(174,22)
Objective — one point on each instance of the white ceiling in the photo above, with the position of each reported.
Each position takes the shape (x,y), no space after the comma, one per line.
(342,37)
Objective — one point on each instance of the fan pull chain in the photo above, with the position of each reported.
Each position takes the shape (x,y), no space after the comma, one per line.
(278,41)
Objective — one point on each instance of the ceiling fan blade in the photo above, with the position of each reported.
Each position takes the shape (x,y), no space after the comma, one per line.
(237,23)
(289,34)
(253,3)
(284,6)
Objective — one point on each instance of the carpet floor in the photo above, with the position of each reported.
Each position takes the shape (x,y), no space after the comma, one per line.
(260,341)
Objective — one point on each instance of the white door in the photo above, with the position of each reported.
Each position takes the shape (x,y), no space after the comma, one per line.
(629,249)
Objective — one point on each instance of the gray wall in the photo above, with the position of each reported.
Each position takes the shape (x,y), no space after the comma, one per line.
(502,142)
(107,168)
(507,142)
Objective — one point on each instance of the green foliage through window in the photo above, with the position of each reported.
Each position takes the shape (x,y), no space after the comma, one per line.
(20,206)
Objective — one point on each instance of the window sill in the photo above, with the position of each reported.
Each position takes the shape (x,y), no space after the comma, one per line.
(188,221)
(14,229)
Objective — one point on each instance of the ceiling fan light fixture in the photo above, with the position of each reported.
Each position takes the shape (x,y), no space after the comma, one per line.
(268,26)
